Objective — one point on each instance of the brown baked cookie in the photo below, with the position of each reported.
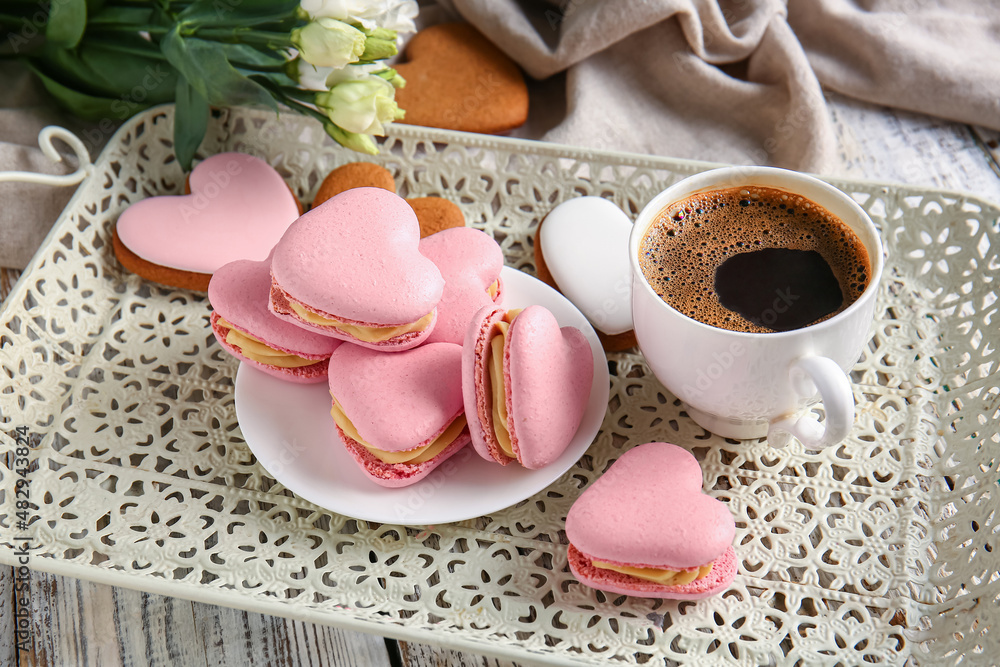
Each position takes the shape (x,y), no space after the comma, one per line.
(222,169)
(610,342)
(354,175)
(458,80)
(164,275)
(433,213)
(436,214)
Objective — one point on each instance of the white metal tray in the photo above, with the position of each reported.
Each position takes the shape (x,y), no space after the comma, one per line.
(881,550)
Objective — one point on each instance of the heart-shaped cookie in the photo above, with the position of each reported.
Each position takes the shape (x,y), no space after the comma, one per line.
(458,80)
(238,208)
(247,330)
(434,214)
(354,175)
(581,249)
(646,528)
(526,383)
(400,415)
(470,262)
(351,269)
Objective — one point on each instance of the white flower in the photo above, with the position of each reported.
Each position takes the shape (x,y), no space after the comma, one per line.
(325,78)
(327,42)
(395,15)
(361,106)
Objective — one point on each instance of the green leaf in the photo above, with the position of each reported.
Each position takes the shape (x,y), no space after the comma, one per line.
(244,54)
(67,21)
(149,80)
(190,122)
(88,107)
(101,69)
(134,16)
(229,13)
(206,68)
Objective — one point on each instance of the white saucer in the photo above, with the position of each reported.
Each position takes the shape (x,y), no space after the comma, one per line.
(289,429)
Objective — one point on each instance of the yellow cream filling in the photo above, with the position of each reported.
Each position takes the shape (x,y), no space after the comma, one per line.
(366,334)
(497,384)
(662,576)
(493,289)
(410,456)
(257,350)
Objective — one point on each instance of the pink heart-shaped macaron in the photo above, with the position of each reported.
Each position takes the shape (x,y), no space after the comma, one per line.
(398,402)
(648,510)
(239,293)
(547,375)
(541,356)
(238,208)
(355,259)
(470,262)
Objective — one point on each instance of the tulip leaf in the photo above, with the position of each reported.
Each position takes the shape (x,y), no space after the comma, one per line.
(67,21)
(190,122)
(88,107)
(207,70)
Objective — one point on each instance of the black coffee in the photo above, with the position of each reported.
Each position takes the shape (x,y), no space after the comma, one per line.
(754,259)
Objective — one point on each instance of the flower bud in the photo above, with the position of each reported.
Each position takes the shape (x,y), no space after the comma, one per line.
(361,143)
(329,43)
(362,107)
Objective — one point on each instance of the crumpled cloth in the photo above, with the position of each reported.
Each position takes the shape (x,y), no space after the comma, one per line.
(738,81)
(27,211)
(741,81)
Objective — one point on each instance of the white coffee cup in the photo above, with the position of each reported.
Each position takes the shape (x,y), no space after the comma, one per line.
(748,385)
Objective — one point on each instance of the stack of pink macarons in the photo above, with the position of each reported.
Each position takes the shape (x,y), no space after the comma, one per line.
(420,357)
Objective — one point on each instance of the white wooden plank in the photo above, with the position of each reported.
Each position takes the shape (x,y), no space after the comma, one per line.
(990,141)
(60,634)
(238,638)
(422,655)
(894,145)
(8,647)
(81,623)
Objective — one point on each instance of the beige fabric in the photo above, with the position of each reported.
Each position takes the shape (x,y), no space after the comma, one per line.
(739,80)
(28,211)
(733,81)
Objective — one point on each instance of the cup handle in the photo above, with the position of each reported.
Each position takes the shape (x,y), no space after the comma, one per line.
(808,375)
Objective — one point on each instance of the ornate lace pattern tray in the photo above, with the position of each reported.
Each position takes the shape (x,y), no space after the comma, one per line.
(881,550)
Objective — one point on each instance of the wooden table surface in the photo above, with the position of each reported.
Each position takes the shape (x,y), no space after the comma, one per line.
(80,623)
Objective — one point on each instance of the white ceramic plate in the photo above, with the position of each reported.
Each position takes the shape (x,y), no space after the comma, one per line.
(289,429)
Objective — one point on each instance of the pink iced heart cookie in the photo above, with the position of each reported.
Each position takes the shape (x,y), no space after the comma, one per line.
(645,528)
(238,209)
(247,330)
(351,269)
(526,383)
(470,262)
(400,415)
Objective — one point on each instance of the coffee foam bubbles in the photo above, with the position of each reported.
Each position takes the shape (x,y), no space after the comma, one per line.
(689,240)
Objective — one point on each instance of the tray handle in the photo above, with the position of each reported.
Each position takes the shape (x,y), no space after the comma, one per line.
(45,137)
